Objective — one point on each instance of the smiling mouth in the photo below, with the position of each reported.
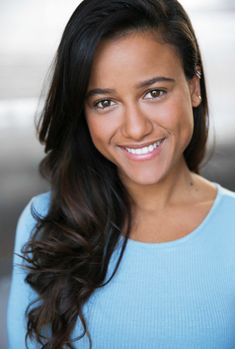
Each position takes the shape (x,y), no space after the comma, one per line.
(146,149)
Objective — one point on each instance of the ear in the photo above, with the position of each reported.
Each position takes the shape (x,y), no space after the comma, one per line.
(195,89)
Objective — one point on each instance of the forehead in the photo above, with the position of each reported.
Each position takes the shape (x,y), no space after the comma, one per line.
(134,55)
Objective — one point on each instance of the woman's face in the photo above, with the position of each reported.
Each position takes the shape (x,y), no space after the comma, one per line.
(139,107)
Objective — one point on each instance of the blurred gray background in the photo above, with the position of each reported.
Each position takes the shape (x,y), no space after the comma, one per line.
(29,35)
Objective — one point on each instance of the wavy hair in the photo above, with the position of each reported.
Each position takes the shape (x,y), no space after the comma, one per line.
(69,253)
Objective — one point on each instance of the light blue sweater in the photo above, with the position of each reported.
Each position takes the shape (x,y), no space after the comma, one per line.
(173,295)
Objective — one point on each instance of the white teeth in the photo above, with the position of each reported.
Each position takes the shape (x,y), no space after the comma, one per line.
(144,150)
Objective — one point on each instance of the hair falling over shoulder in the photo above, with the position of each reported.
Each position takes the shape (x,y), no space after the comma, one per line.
(69,253)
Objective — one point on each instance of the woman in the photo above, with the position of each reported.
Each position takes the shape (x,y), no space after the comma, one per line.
(131,248)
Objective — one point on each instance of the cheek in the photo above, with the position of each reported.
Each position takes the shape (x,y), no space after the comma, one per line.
(176,118)
(95,132)
(101,131)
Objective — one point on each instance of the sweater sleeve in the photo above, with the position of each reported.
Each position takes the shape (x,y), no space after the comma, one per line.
(21,294)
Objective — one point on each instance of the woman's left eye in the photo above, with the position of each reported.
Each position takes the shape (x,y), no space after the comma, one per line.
(156,93)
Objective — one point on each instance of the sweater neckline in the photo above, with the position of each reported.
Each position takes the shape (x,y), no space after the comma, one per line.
(194,233)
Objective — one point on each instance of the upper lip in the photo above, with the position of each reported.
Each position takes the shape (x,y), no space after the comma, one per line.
(136,146)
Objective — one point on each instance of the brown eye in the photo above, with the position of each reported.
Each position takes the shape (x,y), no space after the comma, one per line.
(105,103)
(156,93)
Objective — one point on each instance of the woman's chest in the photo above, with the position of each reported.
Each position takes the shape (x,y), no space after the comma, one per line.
(169,225)
(159,304)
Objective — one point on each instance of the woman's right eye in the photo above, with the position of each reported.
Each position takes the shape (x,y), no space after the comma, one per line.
(104,103)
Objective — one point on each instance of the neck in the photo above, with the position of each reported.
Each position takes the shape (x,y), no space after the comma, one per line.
(157,196)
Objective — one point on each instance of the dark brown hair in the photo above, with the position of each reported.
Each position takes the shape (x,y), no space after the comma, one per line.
(71,247)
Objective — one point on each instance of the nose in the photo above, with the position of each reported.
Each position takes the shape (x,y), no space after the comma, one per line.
(136,124)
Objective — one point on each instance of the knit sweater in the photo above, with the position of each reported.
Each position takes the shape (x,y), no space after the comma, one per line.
(170,295)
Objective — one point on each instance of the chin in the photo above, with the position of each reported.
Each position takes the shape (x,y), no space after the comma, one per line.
(143,180)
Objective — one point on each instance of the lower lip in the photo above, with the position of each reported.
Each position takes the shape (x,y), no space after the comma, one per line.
(142,157)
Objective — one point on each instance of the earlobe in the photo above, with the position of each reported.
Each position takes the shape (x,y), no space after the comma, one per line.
(196,100)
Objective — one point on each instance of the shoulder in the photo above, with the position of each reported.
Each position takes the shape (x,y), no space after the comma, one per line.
(38,206)
(224,205)
(227,195)
(40,203)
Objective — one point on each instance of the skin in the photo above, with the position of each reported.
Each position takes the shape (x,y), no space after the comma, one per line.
(131,113)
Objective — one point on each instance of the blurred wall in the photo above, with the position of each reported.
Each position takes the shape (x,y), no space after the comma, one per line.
(29,35)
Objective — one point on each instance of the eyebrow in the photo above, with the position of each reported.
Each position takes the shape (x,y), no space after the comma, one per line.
(103,91)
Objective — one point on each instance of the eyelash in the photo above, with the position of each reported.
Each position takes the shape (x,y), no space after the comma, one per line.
(100,101)
(161,91)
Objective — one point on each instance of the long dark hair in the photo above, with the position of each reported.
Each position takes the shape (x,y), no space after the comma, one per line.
(69,253)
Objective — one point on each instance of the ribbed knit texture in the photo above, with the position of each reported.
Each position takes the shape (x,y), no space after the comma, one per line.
(173,295)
